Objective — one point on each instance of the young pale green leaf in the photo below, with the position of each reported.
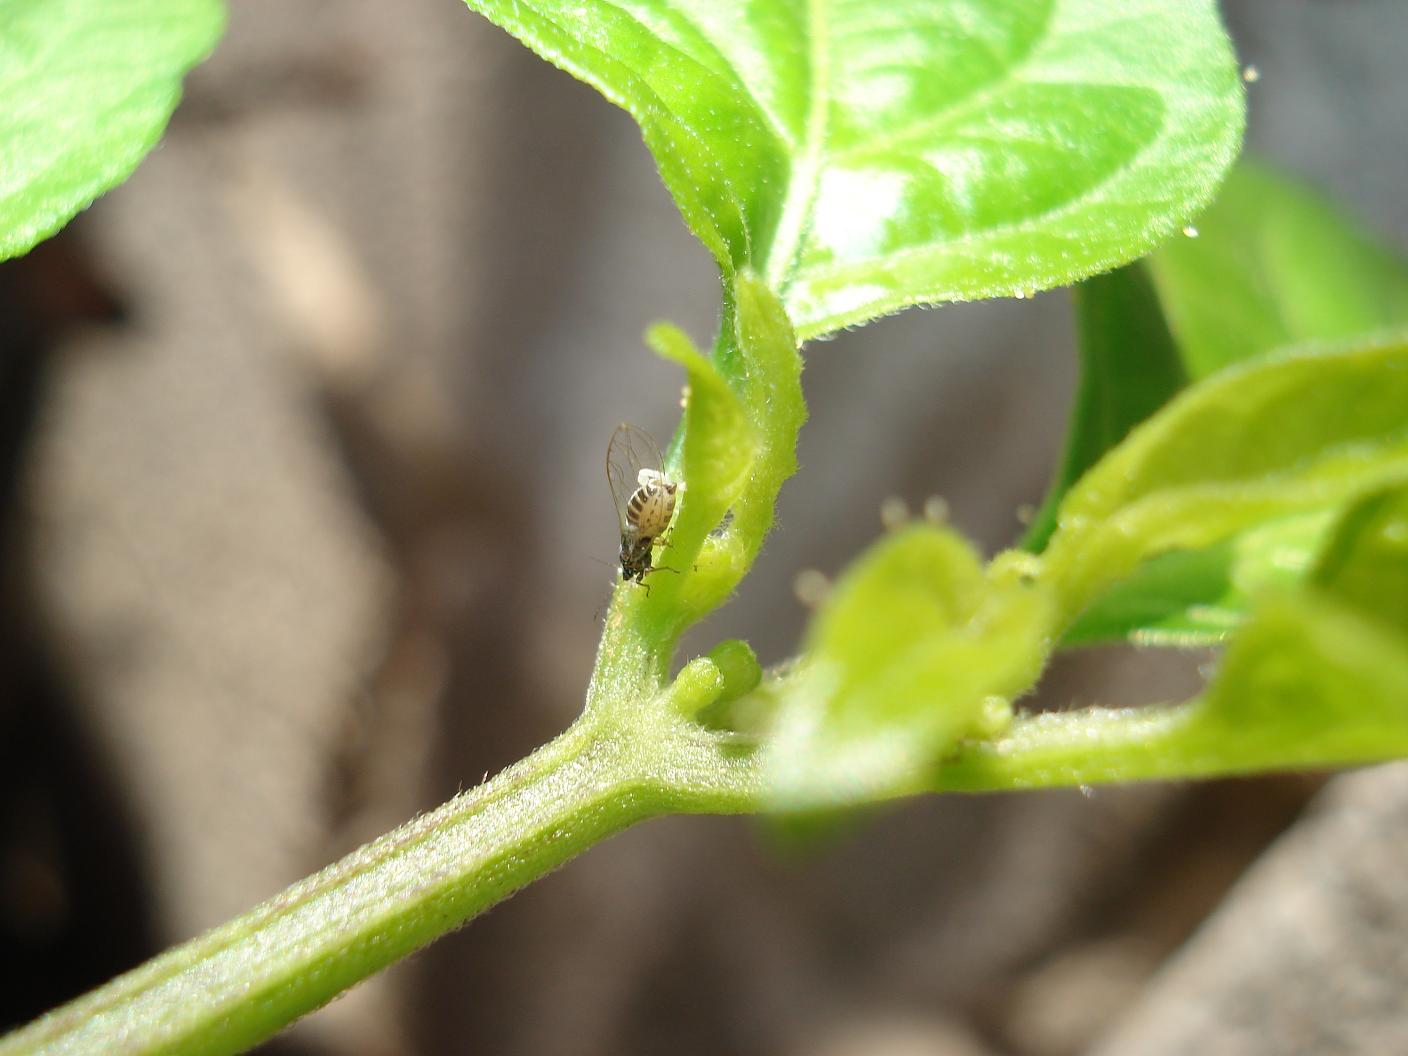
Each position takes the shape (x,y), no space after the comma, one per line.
(85,91)
(712,457)
(1304,432)
(1320,677)
(765,370)
(1129,368)
(757,360)
(736,445)
(900,662)
(1307,682)
(866,157)
(1274,265)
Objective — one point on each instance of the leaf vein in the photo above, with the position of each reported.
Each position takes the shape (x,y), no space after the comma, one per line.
(785,253)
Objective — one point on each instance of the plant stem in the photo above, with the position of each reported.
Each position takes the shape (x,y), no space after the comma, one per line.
(238,984)
(1103,746)
(1088,747)
(634,753)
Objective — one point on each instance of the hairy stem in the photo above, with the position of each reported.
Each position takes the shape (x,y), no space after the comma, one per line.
(241,982)
(1102,746)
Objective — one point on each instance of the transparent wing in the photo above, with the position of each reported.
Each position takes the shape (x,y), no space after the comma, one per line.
(631,450)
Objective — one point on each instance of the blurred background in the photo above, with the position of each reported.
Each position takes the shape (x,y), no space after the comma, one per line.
(305,527)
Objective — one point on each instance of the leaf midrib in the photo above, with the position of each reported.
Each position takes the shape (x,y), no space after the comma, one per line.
(785,248)
(783,262)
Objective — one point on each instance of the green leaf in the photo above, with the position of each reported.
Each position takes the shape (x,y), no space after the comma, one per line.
(738,443)
(1366,564)
(716,447)
(1190,598)
(1320,676)
(865,157)
(1129,368)
(903,659)
(87,89)
(712,457)
(765,370)
(1305,432)
(1317,677)
(1274,265)
(1306,683)
(736,446)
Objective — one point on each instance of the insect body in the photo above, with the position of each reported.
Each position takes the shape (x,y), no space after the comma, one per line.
(644,496)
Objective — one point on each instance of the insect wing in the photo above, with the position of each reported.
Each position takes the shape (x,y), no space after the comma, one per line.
(631,450)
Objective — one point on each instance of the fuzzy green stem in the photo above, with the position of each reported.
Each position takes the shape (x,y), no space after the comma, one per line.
(242,982)
(1100,746)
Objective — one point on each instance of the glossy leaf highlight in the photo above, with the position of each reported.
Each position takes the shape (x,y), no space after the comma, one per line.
(864,157)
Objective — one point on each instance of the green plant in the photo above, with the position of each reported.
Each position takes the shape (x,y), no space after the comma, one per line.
(88,90)
(1237,470)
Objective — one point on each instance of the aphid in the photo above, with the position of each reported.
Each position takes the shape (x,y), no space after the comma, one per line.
(645,498)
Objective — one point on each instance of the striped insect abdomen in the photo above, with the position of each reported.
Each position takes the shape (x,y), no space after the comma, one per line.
(650,507)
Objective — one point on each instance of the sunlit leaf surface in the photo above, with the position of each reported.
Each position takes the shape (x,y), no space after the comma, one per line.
(867,156)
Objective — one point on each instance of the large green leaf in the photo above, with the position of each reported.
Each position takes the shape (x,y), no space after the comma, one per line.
(866,156)
(912,645)
(85,91)
(1274,265)
(1301,433)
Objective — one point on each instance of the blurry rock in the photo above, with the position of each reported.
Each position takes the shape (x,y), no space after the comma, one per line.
(896,1035)
(1306,956)
(205,567)
(1068,1002)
